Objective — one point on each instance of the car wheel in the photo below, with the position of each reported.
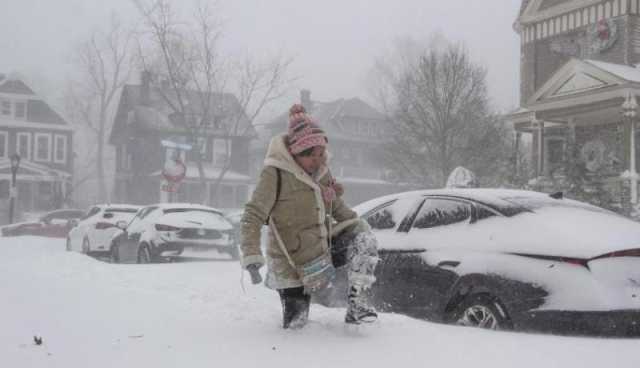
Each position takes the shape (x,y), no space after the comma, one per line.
(85,246)
(483,311)
(68,244)
(144,255)
(114,256)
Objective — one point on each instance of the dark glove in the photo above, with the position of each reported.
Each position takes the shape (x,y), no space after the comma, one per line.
(254,271)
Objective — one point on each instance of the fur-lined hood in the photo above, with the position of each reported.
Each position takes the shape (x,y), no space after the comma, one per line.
(278,156)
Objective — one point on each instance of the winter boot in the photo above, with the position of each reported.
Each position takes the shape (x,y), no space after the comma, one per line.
(358,309)
(295,307)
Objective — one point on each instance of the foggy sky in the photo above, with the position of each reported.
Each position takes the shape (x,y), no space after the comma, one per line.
(333,42)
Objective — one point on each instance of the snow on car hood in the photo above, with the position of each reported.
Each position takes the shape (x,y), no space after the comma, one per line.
(195,219)
(553,231)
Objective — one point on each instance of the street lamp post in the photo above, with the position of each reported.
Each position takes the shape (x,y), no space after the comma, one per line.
(629,110)
(13,192)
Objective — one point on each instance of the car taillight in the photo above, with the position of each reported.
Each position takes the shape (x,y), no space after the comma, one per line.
(103,225)
(161,227)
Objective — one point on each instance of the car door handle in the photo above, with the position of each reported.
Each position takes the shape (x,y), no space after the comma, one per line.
(448,264)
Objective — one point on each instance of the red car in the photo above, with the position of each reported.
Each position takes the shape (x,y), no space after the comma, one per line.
(55,224)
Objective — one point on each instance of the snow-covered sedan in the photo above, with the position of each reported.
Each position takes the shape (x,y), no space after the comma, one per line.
(505,259)
(164,230)
(93,233)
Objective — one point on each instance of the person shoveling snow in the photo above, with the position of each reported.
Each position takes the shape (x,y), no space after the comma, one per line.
(299,200)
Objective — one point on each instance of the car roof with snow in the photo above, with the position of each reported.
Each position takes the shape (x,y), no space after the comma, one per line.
(537,224)
(507,201)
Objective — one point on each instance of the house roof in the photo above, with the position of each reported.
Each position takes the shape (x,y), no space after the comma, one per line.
(536,10)
(38,111)
(13,85)
(579,77)
(331,115)
(156,114)
(626,72)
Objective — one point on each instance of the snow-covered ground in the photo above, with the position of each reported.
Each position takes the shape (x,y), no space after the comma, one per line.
(195,314)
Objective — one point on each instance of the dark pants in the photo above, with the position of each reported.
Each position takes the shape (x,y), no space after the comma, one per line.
(295,307)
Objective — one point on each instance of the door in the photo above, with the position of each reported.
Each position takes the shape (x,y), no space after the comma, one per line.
(128,241)
(428,280)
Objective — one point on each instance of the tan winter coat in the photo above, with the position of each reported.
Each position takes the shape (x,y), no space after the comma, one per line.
(299,215)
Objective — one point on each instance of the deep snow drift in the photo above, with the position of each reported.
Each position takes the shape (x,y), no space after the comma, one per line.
(194,313)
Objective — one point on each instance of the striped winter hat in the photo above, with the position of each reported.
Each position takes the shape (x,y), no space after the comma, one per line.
(304,133)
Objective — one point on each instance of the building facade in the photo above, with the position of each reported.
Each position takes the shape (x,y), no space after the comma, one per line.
(578,97)
(355,131)
(144,121)
(44,141)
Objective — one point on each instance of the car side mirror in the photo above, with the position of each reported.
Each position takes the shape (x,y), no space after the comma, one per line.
(73,222)
(122,225)
(107,215)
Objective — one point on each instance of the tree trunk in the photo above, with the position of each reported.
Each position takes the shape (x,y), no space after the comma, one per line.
(203,180)
(102,190)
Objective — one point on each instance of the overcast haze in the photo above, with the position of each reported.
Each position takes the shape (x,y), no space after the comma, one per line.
(333,42)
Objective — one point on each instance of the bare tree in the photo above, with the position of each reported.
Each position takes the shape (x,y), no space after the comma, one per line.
(436,100)
(102,68)
(207,94)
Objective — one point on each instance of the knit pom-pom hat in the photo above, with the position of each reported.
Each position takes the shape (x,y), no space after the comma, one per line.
(303,133)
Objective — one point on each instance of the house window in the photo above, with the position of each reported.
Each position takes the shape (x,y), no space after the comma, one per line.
(24,145)
(5,107)
(20,110)
(60,149)
(43,147)
(221,151)
(4,144)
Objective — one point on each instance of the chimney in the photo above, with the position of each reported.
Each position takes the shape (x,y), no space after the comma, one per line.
(145,88)
(305,99)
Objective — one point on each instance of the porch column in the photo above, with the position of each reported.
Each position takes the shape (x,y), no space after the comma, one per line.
(516,153)
(629,111)
(540,149)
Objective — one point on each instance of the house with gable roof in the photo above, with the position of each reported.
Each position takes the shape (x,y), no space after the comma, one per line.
(579,88)
(44,141)
(144,120)
(355,131)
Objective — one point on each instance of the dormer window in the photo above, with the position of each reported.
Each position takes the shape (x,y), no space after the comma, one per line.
(13,109)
